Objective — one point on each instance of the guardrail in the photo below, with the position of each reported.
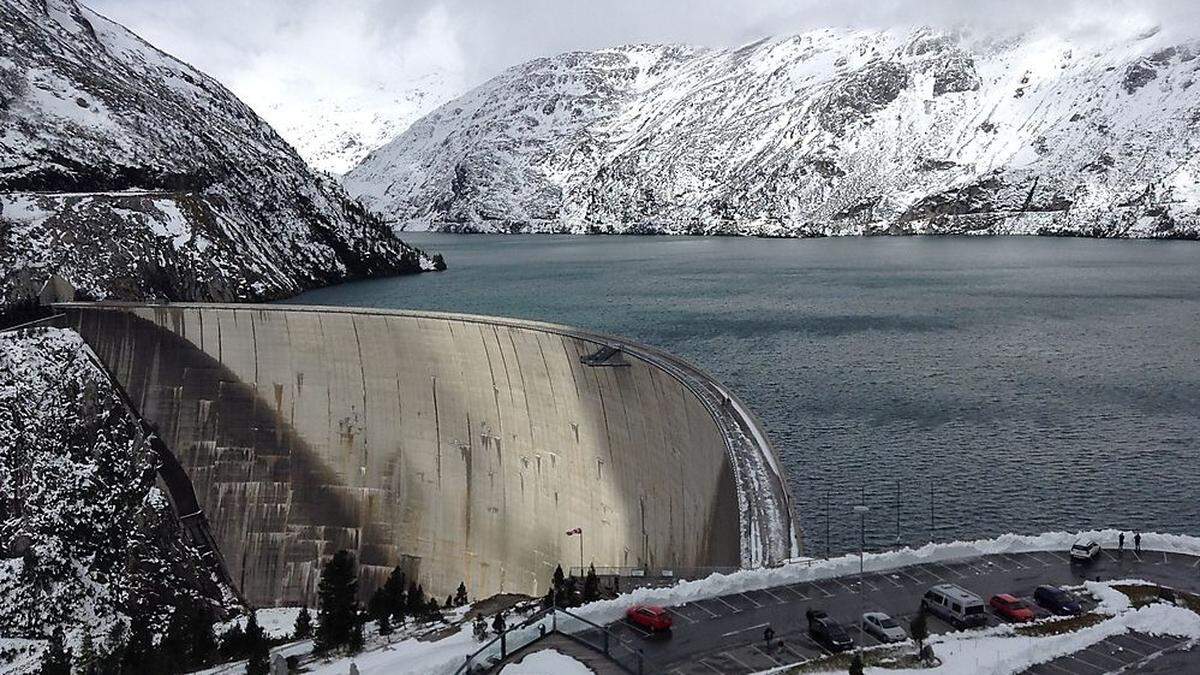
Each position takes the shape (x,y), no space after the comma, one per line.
(550,621)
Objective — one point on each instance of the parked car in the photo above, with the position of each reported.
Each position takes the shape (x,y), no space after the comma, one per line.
(883,627)
(1011,607)
(1057,600)
(1085,550)
(649,617)
(955,605)
(828,632)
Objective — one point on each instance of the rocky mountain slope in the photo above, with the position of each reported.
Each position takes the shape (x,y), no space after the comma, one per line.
(829,132)
(334,133)
(86,538)
(133,175)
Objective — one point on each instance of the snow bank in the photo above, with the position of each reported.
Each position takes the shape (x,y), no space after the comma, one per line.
(546,662)
(809,570)
(276,622)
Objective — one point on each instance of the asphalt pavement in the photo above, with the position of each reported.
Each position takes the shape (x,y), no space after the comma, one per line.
(725,634)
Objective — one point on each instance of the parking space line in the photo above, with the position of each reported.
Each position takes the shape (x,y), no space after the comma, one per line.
(792,588)
(821,588)
(718,599)
(994,561)
(1151,645)
(756,603)
(953,571)
(710,612)
(915,580)
(1197,563)
(1060,557)
(890,580)
(843,585)
(640,631)
(680,614)
(1114,639)
(795,653)
(1078,656)
(935,575)
(738,661)
(873,587)
(1101,653)
(1015,560)
(1035,556)
(777,598)
(710,666)
(772,658)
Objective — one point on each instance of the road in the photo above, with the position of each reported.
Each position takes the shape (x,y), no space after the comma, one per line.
(725,634)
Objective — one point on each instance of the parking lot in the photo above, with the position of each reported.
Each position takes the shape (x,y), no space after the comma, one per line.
(725,634)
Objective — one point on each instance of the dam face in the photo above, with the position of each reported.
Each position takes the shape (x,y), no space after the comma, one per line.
(461,448)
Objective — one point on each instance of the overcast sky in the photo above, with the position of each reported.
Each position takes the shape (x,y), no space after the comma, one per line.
(274,49)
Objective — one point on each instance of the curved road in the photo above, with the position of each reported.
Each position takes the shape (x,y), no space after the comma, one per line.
(725,634)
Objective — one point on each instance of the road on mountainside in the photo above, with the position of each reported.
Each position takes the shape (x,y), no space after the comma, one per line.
(725,634)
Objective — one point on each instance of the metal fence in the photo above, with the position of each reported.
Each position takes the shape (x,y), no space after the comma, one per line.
(548,622)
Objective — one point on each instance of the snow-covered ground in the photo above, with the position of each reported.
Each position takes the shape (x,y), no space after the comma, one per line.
(276,622)
(546,662)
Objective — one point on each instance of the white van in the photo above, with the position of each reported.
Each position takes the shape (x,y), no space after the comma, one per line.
(955,605)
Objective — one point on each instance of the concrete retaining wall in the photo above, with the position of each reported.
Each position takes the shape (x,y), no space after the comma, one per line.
(461,448)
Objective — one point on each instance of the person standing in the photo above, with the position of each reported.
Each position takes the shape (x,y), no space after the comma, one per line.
(1121,544)
(1137,542)
(768,635)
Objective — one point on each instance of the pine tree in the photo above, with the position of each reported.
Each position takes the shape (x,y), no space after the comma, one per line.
(385,625)
(88,661)
(114,649)
(258,652)
(380,604)
(393,590)
(498,623)
(414,599)
(56,660)
(449,602)
(203,645)
(460,596)
(558,577)
(354,642)
(303,624)
(432,610)
(139,649)
(233,643)
(337,614)
(918,628)
(591,585)
(856,665)
(171,656)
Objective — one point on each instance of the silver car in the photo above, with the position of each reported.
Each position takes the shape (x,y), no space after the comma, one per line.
(883,627)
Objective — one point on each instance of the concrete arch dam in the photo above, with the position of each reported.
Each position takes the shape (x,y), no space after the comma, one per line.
(461,448)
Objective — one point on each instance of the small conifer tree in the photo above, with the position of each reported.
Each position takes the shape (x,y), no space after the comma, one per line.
(56,660)
(460,596)
(303,628)
(258,651)
(337,614)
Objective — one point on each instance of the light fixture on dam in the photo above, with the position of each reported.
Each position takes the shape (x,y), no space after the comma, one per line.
(457,447)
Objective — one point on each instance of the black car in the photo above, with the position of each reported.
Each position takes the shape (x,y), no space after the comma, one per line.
(1057,600)
(827,632)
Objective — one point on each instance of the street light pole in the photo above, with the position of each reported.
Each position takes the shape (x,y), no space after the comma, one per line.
(861,510)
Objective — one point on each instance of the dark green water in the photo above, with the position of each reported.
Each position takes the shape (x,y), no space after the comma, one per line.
(1034,384)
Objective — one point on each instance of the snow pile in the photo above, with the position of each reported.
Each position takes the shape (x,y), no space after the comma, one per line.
(276,622)
(133,175)
(88,540)
(828,132)
(546,662)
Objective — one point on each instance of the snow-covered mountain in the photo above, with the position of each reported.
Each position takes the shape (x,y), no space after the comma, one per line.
(133,175)
(334,133)
(87,539)
(828,132)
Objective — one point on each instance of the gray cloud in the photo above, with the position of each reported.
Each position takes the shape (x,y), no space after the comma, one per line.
(269,50)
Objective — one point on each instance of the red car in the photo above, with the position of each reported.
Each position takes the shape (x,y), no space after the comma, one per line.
(1011,607)
(650,618)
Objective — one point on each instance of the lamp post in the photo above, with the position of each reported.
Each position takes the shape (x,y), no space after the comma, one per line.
(861,510)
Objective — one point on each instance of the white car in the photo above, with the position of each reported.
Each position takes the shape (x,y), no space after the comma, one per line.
(1085,550)
(883,627)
